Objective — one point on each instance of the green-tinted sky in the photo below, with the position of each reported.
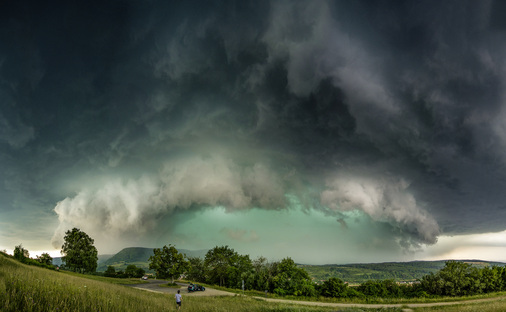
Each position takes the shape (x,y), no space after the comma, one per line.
(327,131)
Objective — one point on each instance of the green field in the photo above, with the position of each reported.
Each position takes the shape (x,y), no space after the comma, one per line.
(28,288)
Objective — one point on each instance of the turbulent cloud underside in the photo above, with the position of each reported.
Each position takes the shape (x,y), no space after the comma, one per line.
(159,109)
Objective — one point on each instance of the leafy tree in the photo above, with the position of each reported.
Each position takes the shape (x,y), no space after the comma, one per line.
(289,279)
(120,274)
(334,287)
(140,272)
(381,289)
(110,272)
(455,279)
(239,270)
(45,258)
(20,253)
(492,278)
(197,271)
(168,262)
(79,253)
(131,270)
(226,266)
(262,274)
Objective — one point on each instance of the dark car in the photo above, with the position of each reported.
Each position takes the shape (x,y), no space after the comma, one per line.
(195,287)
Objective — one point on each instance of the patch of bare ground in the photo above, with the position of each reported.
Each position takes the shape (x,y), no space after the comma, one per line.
(156,286)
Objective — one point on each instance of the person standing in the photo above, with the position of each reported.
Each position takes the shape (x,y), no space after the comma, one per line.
(178,299)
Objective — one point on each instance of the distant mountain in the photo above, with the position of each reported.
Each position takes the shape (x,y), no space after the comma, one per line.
(139,256)
(400,271)
(130,255)
(101,259)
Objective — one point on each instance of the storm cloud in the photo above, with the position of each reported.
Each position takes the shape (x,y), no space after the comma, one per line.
(119,116)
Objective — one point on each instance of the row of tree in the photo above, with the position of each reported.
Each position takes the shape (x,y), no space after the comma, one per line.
(130,271)
(23,255)
(225,267)
(79,253)
(462,279)
(456,278)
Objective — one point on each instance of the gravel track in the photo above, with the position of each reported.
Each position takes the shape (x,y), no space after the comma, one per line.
(154,285)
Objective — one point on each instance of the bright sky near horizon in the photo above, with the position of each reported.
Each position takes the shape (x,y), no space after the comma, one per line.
(326,131)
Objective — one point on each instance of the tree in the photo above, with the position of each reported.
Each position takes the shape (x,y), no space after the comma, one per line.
(110,272)
(168,262)
(79,253)
(289,279)
(140,272)
(131,270)
(261,274)
(45,258)
(334,287)
(381,289)
(20,253)
(225,264)
(455,279)
(197,271)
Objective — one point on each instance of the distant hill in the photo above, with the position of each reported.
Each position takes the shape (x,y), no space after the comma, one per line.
(399,271)
(130,255)
(139,256)
(101,259)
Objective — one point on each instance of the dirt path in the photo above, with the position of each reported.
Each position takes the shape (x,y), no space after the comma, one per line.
(154,285)
(382,305)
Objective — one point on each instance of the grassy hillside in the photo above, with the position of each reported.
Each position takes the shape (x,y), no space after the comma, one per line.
(28,288)
(400,271)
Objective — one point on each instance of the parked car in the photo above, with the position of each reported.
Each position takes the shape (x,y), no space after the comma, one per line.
(195,287)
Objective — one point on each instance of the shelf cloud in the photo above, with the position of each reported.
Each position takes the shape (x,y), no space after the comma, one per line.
(118,117)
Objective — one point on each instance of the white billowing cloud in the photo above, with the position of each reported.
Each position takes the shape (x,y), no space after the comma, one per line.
(219,181)
(135,206)
(384,200)
(115,208)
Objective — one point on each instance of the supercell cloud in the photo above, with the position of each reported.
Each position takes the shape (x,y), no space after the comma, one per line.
(117,117)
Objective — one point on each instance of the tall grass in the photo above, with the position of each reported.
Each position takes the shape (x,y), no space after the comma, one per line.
(490,306)
(28,288)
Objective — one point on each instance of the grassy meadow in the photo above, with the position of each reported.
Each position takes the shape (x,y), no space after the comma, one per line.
(28,288)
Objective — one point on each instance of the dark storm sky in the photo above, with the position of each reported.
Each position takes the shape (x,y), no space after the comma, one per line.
(119,117)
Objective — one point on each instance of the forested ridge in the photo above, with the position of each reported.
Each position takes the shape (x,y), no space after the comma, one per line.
(399,271)
(354,273)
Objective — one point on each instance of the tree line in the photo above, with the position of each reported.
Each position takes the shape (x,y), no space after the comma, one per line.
(225,267)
